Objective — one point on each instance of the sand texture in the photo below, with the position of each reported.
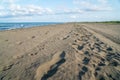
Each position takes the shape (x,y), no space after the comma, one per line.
(70,51)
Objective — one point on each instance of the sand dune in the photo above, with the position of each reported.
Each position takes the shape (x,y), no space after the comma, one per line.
(71,51)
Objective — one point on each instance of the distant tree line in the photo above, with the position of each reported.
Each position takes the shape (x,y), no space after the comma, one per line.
(111,22)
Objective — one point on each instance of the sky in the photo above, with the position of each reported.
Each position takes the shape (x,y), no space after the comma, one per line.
(59,10)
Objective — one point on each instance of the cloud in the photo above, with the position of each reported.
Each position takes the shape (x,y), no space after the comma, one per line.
(103,1)
(1,7)
(29,10)
(74,16)
(70,11)
(98,8)
(98,5)
(8,2)
(12,9)
(16,10)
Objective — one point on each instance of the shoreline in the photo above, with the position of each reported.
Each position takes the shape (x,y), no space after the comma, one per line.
(22,25)
(55,23)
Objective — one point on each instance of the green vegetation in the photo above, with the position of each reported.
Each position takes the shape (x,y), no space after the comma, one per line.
(100,22)
(112,22)
(109,22)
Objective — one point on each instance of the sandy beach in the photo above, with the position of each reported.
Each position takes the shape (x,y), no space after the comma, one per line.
(70,51)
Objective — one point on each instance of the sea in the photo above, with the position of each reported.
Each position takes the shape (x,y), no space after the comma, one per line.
(9,26)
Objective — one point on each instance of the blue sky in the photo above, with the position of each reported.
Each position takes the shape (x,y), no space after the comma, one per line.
(59,10)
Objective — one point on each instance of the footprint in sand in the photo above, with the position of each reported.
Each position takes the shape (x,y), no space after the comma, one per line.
(19,42)
(86,60)
(49,68)
(98,69)
(101,64)
(110,56)
(66,37)
(80,47)
(33,54)
(109,49)
(82,72)
(8,67)
(33,37)
(87,53)
(114,63)
(113,59)
(6,40)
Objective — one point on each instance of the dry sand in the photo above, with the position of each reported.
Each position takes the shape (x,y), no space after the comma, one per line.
(71,51)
